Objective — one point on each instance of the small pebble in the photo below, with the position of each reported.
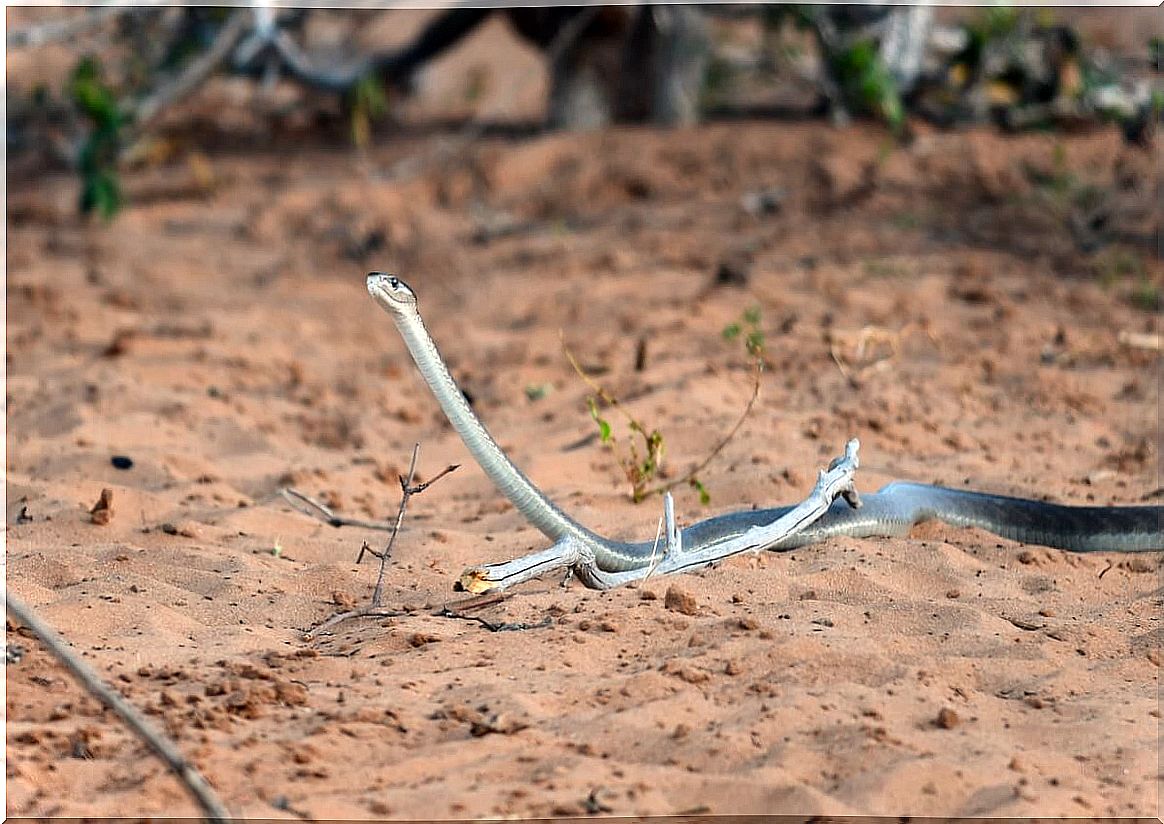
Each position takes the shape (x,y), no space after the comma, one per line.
(121,462)
(947,719)
(102,511)
(680,600)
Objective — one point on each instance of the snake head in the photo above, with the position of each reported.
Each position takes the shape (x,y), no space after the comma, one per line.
(391,292)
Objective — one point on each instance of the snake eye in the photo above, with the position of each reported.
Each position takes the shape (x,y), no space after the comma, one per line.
(394,281)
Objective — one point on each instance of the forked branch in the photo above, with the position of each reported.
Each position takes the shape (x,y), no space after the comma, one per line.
(407,490)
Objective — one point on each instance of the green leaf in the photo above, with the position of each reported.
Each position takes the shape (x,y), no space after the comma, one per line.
(368,103)
(731,331)
(704,495)
(752,315)
(101,193)
(603,425)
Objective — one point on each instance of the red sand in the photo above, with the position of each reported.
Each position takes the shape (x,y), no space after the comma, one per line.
(219,334)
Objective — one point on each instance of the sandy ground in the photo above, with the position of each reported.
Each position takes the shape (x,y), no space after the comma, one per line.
(219,335)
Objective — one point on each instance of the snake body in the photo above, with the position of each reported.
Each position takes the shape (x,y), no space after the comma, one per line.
(890,512)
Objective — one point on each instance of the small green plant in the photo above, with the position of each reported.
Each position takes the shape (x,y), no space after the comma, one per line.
(718,79)
(368,103)
(994,23)
(1060,182)
(867,85)
(1146,295)
(1115,264)
(100,185)
(1119,265)
(476,84)
(750,323)
(640,467)
(884,269)
(642,461)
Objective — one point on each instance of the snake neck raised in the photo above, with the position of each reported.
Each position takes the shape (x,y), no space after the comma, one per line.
(526,498)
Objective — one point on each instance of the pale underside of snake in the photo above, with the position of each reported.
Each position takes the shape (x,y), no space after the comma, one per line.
(831,509)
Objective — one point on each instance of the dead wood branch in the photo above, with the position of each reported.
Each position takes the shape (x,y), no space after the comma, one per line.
(407,490)
(443,153)
(503,626)
(187,773)
(199,69)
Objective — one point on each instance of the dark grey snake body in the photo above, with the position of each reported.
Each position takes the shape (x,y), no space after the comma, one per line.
(888,513)
(900,505)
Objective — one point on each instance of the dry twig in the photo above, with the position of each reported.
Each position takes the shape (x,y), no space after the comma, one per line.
(503,626)
(187,773)
(192,77)
(407,490)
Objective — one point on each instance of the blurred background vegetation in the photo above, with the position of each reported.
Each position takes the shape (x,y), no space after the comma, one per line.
(99,90)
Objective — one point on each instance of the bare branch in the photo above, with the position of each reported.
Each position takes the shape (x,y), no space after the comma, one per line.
(407,490)
(416,490)
(405,494)
(360,612)
(187,773)
(318,509)
(563,40)
(150,107)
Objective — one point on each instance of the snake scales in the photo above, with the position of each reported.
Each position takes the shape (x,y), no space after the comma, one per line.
(890,512)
